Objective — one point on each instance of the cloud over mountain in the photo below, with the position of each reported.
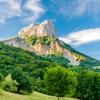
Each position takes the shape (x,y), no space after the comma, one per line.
(82,37)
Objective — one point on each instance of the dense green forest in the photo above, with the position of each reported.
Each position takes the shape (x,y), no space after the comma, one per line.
(23,72)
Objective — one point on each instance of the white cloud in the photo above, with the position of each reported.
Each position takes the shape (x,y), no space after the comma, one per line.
(82,37)
(9,9)
(76,8)
(13,8)
(36,8)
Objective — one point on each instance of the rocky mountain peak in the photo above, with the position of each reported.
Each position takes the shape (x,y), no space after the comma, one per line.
(45,22)
(41,39)
(46,28)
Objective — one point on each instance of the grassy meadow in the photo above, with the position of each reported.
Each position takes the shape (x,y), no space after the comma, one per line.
(34,96)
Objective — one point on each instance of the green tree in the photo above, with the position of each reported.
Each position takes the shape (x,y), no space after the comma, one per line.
(1,77)
(1,80)
(88,85)
(60,81)
(96,86)
(9,85)
(24,81)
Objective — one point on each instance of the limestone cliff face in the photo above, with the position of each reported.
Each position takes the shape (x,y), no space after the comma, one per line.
(46,28)
(55,48)
(41,39)
(45,49)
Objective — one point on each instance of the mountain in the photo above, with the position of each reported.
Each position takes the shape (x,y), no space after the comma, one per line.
(41,39)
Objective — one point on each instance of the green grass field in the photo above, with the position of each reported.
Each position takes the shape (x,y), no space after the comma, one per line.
(35,96)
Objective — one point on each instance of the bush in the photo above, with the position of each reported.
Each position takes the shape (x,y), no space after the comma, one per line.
(96,86)
(9,85)
(60,81)
(88,85)
(39,85)
(1,77)
(24,81)
(1,80)
(44,40)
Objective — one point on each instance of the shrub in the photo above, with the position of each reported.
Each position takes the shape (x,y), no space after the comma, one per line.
(88,85)
(24,81)
(44,40)
(9,85)
(60,81)
(1,77)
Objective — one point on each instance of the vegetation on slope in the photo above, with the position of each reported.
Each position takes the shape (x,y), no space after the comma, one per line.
(85,61)
(50,75)
(46,40)
(30,63)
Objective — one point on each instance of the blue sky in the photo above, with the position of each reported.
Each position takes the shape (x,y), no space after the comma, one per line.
(77,22)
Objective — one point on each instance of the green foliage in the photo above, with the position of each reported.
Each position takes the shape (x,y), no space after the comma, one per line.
(32,40)
(39,85)
(9,85)
(1,80)
(89,63)
(97,86)
(45,40)
(29,39)
(88,85)
(60,81)
(32,64)
(59,59)
(24,81)
(11,57)
(1,77)
(78,55)
(85,61)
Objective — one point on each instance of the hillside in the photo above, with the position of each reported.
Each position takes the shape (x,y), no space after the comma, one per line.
(35,96)
(35,66)
(28,61)
(42,40)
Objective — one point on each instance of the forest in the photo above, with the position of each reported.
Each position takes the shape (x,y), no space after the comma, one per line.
(22,72)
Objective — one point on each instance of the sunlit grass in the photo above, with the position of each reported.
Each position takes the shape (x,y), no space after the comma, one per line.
(35,96)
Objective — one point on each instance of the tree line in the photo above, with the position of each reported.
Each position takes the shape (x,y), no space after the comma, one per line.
(57,81)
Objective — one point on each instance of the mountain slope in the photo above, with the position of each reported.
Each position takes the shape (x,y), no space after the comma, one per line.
(41,39)
(11,57)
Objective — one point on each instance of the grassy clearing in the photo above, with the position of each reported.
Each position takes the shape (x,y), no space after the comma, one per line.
(35,96)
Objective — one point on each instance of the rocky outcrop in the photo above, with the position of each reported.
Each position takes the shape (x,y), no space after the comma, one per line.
(55,48)
(46,28)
